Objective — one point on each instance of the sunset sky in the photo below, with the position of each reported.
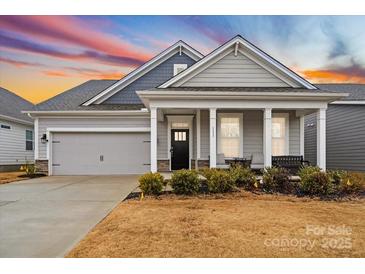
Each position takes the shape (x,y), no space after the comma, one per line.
(41,56)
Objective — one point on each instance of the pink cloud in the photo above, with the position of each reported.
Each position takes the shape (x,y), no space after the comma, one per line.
(73,31)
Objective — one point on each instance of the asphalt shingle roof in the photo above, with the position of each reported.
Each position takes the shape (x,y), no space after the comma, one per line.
(356,91)
(11,105)
(73,99)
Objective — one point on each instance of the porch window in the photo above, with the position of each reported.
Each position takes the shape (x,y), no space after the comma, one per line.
(229,138)
(28,140)
(280,134)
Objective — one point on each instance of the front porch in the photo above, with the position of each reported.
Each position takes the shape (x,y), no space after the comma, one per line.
(200,137)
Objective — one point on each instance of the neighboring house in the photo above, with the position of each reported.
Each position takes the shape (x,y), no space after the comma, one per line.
(16,132)
(181,110)
(345,129)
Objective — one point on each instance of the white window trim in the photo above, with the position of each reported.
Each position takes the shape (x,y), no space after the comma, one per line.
(286,116)
(181,119)
(230,115)
(177,66)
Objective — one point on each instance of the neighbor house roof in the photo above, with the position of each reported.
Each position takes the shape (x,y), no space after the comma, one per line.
(73,99)
(11,106)
(356,91)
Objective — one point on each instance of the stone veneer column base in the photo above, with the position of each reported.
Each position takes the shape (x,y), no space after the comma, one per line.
(203,164)
(163,165)
(41,166)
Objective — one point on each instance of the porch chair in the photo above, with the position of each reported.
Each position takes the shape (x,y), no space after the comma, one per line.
(221,162)
(257,161)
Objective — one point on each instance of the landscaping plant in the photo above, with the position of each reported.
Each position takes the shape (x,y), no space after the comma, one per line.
(243,177)
(351,183)
(185,182)
(151,183)
(315,182)
(277,179)
(219,181)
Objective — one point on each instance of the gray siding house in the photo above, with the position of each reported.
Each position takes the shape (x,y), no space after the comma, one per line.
(181,110)
(345,129)
(16,132)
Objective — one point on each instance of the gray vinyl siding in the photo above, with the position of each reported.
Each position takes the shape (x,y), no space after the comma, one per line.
(204,134)
(310,138)
(87,122)
(345,137)
(235,71)
(294,134)
(162,152)
(252,131)
(151,79)
(12,144)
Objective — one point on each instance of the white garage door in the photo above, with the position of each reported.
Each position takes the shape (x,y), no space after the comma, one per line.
(100,153)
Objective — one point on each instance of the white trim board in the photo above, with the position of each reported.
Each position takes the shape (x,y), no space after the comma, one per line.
(348,103)
(178,47)
(178,79)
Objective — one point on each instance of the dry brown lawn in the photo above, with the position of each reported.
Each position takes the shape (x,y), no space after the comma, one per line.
(8,177)
(232,225)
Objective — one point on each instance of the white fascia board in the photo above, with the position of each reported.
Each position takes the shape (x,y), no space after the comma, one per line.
(89,112)
(146,67)
(252,48)
(348,103)
(237,104)
(122,129)
(16,120)
(238,95)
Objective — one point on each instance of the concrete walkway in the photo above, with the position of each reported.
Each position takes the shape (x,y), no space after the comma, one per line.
(46,217)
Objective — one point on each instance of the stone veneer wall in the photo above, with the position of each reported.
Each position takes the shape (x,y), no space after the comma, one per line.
(203,163)
(41,166)
(163,165)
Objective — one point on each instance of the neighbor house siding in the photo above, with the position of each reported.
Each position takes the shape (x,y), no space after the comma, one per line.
(12,144)
(151,79)
(235,71)
(345,137)
(87,122)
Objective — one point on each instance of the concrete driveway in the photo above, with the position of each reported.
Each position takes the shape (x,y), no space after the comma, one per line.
(46,217)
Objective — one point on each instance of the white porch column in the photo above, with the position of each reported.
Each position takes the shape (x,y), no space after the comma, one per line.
(213,137)
(301,131)
(321,138)
(153,139)
(197,138)
(267,137)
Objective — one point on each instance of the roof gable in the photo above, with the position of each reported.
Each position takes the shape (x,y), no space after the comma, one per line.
(179,47)
(234,70)
(240,46)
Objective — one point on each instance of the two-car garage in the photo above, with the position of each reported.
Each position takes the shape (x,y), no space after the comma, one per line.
(99,153)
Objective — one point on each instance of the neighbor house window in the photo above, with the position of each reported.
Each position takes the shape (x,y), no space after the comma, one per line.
(230,136)
(29,140)
(280,134)
(5,127)
(179,68)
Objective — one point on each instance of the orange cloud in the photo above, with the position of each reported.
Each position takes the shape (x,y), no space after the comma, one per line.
(55,73)
(328,76)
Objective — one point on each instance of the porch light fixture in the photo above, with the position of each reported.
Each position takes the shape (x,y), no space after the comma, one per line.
(44,139)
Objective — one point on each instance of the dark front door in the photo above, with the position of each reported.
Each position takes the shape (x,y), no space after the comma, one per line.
(179,149)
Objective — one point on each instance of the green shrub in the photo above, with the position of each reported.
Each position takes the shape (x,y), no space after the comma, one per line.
(277,179)
(315,182)
(243,177)
(185,182)
(151,183)
(336,176)
(351,183)
(219,181)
